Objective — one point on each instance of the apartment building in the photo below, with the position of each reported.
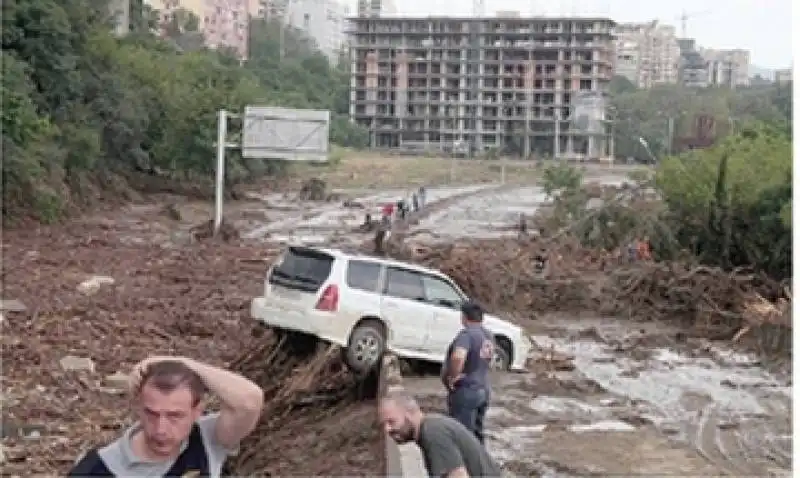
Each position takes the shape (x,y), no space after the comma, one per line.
(121,15)
(783,76)
(729,68)
(375,8)
(505,83)
(647,54)
(223,23)
(322,20)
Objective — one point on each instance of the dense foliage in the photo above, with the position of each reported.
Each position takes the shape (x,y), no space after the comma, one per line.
(646,113)
(731,205)
(82,109)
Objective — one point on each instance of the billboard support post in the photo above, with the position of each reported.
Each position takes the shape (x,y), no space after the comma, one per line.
(270,133)
(222,136)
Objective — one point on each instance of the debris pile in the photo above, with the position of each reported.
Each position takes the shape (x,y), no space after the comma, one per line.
(503,274)
(314,189)
(66,352)
(314,410)
(205,230)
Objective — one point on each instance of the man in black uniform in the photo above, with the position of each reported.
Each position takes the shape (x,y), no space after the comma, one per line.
(465,371)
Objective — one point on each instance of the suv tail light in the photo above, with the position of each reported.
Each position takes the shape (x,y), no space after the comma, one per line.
(329,300)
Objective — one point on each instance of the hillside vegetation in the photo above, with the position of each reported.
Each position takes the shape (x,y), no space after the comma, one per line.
(646,113)
(84,112)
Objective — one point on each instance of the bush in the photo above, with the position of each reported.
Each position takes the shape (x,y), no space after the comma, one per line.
(80,103)
(731,204)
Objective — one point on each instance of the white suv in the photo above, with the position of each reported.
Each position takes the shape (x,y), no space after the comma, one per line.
(369,305)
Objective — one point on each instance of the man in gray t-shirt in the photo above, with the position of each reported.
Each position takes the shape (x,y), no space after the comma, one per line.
(173,436)
(448,448)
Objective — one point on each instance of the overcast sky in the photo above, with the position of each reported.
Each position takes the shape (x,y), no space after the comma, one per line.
(762,26)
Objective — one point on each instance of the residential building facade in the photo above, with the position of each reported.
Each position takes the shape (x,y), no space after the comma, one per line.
(375,8)
(783,76)
(504,83)
(223,23)
(322,20)
(729,68)
(647,54)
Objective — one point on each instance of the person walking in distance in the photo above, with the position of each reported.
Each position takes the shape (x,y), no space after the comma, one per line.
(421,195)
(465,372)
(448,448)
(172,436)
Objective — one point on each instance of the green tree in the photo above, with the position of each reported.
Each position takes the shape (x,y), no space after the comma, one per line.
(83,109)
(731,204)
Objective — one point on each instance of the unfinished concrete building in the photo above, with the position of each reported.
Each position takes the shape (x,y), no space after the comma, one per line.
(509,84)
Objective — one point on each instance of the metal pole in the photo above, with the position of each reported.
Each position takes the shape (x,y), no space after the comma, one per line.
(670,134)
(453,164)
(222,135)
(557,144)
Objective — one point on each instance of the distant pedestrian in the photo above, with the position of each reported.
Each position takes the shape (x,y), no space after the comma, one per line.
(448,448)
(422,196)
(401,209)
(643,249)
(415,202)
(387,212)
(465,372)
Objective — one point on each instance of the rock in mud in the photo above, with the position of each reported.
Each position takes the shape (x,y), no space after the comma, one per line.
(71,363)
(12,305)
(94,283)
(117,381)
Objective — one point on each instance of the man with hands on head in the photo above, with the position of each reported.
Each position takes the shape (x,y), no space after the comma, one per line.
(172,436)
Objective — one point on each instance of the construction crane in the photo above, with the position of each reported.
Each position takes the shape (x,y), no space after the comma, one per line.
(684,17)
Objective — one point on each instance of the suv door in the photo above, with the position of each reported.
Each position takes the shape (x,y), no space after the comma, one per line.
(403,305)
(445,300)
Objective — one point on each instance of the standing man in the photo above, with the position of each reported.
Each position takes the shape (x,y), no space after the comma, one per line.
(173,437)
(465,371)
(448,448)
(421,194)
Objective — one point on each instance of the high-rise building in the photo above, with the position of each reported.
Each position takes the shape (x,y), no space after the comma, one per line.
(223,23)
(647,54)
(506,83)
(375,8)
(783,76)
(322,20)
(121,14)
(729,68)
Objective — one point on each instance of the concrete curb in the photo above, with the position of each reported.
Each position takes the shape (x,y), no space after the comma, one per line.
(406,460)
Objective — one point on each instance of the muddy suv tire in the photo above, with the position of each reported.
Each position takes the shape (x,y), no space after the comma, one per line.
(366,347)
(502,358)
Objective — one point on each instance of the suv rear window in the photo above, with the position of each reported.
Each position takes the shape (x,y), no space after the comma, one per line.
(363,275)
(302,269)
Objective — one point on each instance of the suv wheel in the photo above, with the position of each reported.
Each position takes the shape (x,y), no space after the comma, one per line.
(366,347)
(501,360)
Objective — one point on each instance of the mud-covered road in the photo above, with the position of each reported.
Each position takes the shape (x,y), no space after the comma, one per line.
(621,397)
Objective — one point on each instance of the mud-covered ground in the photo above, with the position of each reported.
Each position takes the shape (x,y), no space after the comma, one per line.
(622,398)
(85,301)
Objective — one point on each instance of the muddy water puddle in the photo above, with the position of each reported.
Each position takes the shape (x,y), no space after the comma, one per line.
(636,402)
(494,214)
(309,223)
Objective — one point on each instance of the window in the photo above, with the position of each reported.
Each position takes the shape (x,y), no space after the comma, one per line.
(303,269)
(440,292)
(306,21)
(363,275)
(404,284)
